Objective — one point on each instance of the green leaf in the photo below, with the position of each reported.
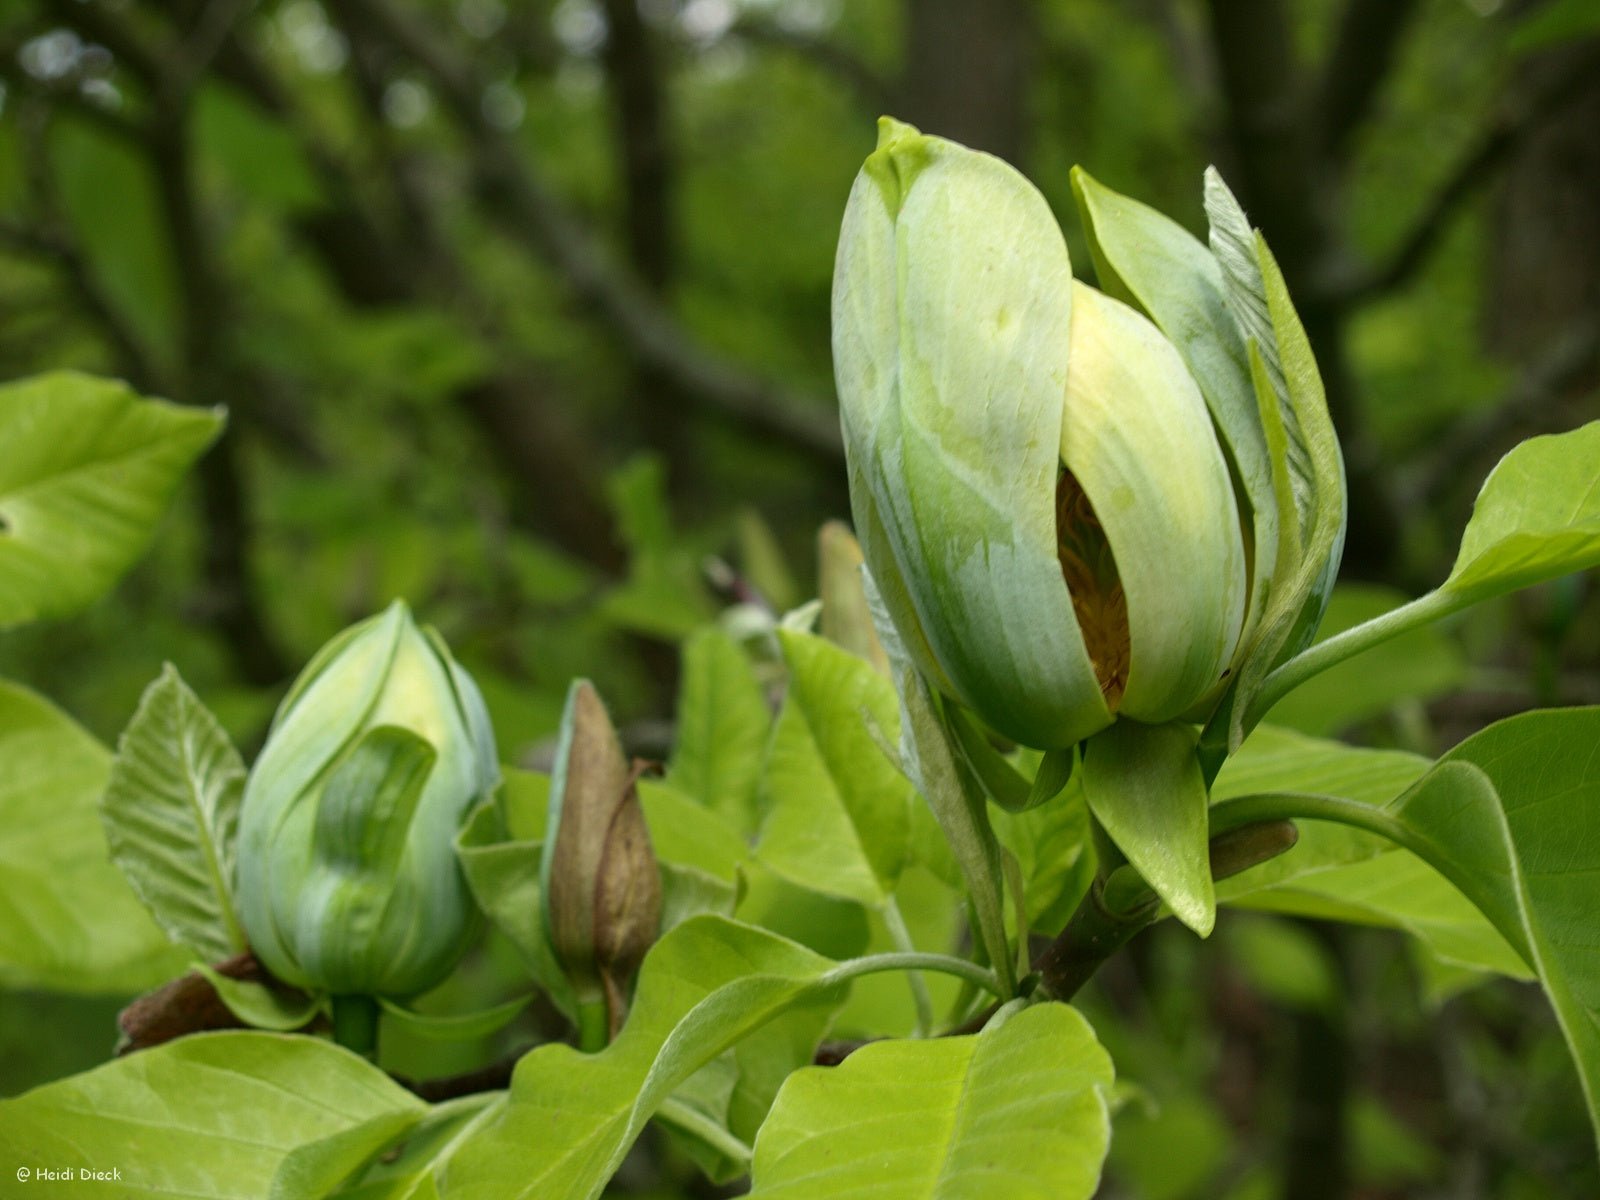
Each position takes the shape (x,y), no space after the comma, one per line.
(68,920)
(316,1168)
(87,470)
(1337,872)
(456,1027)
(1537,517)
(501,851)
(171,814)
(1145,258)
(1309,548)
(1052,846)
(1543,841)
(570,1118)
(839,812)
(1143,784)
(1511,816)
(403,1169)
(279,1010)
(722,729)
(931,756)
(213,1114)
(1018,1111)
(1280,760)
(688,834)
(1234,245)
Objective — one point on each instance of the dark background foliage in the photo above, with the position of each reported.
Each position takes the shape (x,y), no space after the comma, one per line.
(520,310)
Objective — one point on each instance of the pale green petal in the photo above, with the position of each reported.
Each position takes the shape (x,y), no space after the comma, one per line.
(952,294)
(1139,440)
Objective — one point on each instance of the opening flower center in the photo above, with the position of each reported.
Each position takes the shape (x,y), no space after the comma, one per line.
(1090,570)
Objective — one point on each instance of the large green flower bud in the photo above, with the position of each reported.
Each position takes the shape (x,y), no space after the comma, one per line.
(1038,488)
(348,879)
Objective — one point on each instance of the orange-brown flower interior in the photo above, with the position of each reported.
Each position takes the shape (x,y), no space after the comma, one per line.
(1090,570)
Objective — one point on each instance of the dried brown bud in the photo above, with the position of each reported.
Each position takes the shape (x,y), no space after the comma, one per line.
(601,882)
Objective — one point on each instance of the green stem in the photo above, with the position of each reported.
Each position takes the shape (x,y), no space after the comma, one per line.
(676,1112)
(355,1024)
(1095,932)
(901,936)
(1308,806)
(947,964)
(594,1024)
(1318,658)
(1121,902)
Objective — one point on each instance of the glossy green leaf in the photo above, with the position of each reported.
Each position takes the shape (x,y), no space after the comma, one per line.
(1537,516)
(214,1114)
(1512,817)
(846,619)
(1143,784)
(171,814)
(503,872)
(839,815)
(279,1010)
(318,1167)
(68,920)
(570,1118)
(1017,1111)
(403,1168)
(722,729)
(1309,549)
(87,471)
(455,1027)
(688,834)
(1234,245)
(1052,846)
(931,755)
(1543,843)
(1336,872)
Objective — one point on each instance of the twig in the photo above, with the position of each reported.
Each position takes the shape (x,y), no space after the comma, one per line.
(871,88)
(1370,32)
(531,210)
(1473,170)
(51,242)
(1544,384)
(490,1078)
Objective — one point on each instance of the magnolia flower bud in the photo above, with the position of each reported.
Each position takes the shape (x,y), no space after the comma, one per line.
(1036,482)
(601,882)
(348,880)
